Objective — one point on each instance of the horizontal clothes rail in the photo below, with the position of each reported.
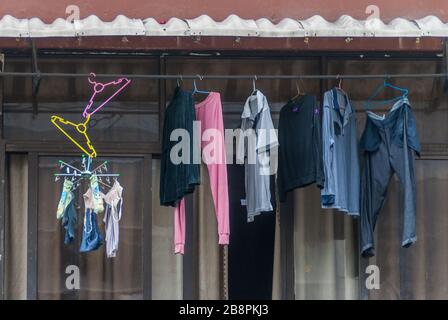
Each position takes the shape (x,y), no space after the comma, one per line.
(224,77)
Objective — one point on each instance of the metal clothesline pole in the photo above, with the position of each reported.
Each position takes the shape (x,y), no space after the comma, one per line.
(78,175)
(230,77)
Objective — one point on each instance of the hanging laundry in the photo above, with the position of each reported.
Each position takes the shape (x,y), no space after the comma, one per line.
(69,220)
(91,236)
(112,216)
(67,212)
(97,200)
(179,179)
(65,199)
(257,126)
(209,115)
(389,143)
(300,160)
(340,154)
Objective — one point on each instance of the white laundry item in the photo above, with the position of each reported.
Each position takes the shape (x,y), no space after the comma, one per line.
(112,216)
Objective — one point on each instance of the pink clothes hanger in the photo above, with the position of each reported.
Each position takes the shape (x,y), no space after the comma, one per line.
(99,87)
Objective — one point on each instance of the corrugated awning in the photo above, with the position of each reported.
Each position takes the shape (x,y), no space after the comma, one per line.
(315,26)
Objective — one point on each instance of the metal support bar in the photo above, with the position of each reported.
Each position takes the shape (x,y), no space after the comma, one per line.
(445,60)
(2,191)
(324,83)
(36,77)
(36,72)
(190,267)
(2,61)
(77,175)
(230,77)
(146,190)
(2,216)
(162,95)
(33,196)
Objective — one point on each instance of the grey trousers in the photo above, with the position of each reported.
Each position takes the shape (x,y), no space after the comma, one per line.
(379,167)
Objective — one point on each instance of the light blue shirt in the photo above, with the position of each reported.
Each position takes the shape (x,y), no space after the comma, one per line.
(340,151)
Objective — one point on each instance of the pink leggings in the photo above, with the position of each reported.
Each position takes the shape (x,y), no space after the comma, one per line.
(209,114)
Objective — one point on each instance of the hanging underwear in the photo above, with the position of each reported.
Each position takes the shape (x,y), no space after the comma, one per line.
(93,198)
(112,216)
(91,235)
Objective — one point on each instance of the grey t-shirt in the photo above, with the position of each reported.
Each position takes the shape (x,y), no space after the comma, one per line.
(259,153)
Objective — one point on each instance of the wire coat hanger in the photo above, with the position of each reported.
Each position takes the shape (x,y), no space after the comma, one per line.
(299,93)
(339,86)
(385,84)
(254,88)
(98,87)
(195,88)
(179,84)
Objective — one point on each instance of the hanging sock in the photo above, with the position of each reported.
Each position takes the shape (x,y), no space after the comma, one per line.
(69,220)
(66,198)
(97,199)
(112,216)
(91,236)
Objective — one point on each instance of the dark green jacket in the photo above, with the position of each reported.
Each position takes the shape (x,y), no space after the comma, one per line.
(177,180)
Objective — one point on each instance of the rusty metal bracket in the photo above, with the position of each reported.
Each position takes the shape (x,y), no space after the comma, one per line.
(35,78)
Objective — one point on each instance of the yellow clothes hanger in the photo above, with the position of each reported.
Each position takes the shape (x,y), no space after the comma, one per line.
(81,128)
